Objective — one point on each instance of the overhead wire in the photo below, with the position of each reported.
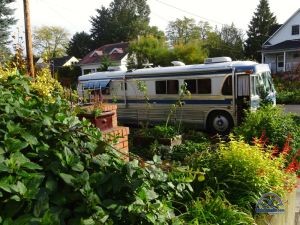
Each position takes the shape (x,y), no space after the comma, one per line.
(193,14)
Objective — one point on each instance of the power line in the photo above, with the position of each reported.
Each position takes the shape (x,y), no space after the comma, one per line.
(57,13)
(193,14)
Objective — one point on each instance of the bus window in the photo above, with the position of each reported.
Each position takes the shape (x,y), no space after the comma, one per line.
(199,86)
(204,86)
(227,86)
(191,86)
(167,87)
(172,87)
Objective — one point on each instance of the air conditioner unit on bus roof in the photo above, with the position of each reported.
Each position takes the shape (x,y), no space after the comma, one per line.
(217,60)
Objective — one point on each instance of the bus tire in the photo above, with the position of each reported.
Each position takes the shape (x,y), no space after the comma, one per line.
(219,122)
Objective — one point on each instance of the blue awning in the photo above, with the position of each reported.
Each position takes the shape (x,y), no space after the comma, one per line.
(96,84)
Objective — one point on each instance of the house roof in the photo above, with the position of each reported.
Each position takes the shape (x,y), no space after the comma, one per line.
(58,62)
(114,52)
(267,41)
(285,45)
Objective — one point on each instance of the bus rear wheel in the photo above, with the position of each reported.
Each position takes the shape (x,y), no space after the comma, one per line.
(219,122)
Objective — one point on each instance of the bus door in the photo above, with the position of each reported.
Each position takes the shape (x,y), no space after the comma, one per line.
(254,88)
(243,95)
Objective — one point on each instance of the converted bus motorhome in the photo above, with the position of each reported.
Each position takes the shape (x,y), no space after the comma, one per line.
(220,91)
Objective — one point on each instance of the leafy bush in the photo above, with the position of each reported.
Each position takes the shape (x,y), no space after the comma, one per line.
(180,152)
(215,209)
(55,169)
(287,87)
(288,97)
(273,121)
(243,172)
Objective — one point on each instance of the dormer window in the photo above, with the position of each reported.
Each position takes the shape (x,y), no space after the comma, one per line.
(116,51)
(96,53)
(295,29)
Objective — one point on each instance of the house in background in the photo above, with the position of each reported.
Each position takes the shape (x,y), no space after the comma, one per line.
(282,50)
(116,54)
(58,62)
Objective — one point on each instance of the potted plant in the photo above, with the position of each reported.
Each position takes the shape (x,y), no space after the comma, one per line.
(94,113)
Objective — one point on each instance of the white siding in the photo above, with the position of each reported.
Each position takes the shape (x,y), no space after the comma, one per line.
(71,61)
(285,32)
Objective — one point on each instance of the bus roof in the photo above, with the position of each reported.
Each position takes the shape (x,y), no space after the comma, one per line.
(239,66)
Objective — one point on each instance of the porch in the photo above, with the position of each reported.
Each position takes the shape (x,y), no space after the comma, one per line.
(282,57)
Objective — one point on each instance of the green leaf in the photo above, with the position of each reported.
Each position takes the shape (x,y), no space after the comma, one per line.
(3,167)
(42,203)
(47,121)
(15,145)
(67,178)
(78,167)
(151,194)
(1,151)
(32,166)
(5,186)
(16,198)
(19,188)
(89,221)
(31,140)
(51,184)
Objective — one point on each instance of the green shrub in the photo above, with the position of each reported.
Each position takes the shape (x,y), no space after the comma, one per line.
(273,121)
(215,209)
(181,152)
(243,172)
(55,169)
(288,97)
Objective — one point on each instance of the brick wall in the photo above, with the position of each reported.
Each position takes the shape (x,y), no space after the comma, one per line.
(117,135)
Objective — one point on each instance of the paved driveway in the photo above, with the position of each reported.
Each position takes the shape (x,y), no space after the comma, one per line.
(292,108)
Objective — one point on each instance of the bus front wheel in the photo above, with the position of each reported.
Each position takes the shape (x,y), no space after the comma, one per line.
(219,122)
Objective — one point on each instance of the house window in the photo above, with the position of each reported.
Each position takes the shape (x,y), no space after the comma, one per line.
(280,61)
(166,87)
(199,86)
(295,29)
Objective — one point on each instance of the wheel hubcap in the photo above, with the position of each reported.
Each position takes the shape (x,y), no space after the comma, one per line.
(220,123)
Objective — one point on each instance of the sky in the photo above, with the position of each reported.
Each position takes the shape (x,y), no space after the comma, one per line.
(74,15)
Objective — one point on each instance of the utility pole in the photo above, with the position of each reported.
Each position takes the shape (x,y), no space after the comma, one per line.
(30,66)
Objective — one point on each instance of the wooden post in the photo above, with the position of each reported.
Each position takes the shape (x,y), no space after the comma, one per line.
(29,54)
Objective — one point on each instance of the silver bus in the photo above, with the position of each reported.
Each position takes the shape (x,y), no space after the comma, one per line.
(221,89)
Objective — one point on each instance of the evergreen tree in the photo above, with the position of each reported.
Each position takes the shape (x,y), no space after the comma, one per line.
(263,21)
(80,45)
(124,20)
(6,20)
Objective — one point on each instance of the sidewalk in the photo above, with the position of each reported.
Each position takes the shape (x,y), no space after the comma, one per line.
(297,219)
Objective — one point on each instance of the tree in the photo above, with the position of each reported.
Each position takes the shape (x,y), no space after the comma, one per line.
(228,41)
(50,41)
(124,20)
(190,53)
(204,29)
(6,20)
(182,31)
(148,49)
(259,29)
(79,45)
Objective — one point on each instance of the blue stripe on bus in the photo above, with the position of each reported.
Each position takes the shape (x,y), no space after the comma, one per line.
(195,102)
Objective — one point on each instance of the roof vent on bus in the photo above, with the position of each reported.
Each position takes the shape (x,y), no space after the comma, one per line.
(177,63)
(217,60)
